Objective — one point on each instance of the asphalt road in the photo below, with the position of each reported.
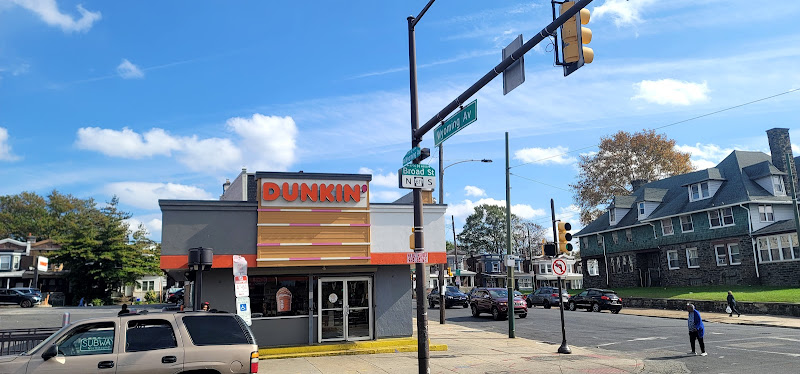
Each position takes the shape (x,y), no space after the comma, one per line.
(731,348)
(14,317)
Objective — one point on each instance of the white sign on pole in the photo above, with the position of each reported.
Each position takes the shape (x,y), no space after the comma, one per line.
(239,265)
(243,309)
(417,176)
(559,267)
(240,286)
(41,263)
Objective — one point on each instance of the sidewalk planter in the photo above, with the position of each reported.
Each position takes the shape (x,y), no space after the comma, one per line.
(778,309)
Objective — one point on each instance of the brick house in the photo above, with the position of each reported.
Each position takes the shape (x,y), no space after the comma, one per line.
(730,224)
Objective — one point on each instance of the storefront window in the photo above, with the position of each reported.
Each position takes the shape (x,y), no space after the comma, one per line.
(281,296)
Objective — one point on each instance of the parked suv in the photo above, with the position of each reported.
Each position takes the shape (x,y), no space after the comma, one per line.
(596,300)
(546,297)
(452,297)
(144,343)
(495,301)
(23,299)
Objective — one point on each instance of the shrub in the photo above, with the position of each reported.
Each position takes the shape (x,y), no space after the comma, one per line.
(97,302)
(151,296)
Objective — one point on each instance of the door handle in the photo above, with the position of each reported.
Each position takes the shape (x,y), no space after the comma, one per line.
(169,359)
(105,364)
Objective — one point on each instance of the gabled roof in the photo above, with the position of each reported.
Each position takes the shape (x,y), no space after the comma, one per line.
(737,187)
(762,169)
(786,225)
(623,202)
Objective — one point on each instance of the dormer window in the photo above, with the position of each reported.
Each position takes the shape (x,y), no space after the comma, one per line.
(641,207)
(612,216)
(777,183)
(699,191)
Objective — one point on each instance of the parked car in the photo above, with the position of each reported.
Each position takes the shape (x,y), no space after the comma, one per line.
(471,293)
(453,297)
(495,301)
(546,297)
(175,297)
(13,296)
(30,290)
(144,343)
(520,295)
(596,300)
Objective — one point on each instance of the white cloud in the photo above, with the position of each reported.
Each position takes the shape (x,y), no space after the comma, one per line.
(556,155)
(151,222)
(623,12)
(264,143)
(704,156)
(474,191)
(671,92)
(145,195)
(127,70)
(796,150)
(467,207)
(48,11)
(384,196)
(380,180)
(5,146)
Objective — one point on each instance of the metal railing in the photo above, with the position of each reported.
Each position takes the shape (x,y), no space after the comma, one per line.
(16,341)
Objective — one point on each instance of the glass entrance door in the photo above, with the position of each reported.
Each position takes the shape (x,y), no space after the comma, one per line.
(345,309)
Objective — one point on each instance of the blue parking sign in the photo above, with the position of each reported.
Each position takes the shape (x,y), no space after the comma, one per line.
(243,307)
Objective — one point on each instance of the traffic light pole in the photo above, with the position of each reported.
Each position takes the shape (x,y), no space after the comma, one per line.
(564,348)
(510,269)
(442,298)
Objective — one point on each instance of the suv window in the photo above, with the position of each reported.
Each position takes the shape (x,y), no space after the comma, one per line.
(215,330)
(610,294)
(594,293)
(148,335)
(88,339)
(583,293)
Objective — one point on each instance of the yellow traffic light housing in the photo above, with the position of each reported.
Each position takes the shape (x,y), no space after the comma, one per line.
(573,38)
(564,237)
(449,272)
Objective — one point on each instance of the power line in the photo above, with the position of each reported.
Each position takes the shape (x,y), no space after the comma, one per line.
(535,181)
(667,125)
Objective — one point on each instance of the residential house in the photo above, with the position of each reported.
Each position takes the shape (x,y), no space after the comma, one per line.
(491,271)
(543,272)
(722,225)
(18,267)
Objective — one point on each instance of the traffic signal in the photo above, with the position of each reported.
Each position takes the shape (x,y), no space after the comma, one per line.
(564,237)
(549,249)
(411,240)
(449,272)
(573,38)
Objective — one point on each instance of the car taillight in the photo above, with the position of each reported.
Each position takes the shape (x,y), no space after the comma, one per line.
(604,298)
(554,295)
(254,362)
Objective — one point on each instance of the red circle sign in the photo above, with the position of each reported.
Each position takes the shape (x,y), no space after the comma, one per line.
(559,267)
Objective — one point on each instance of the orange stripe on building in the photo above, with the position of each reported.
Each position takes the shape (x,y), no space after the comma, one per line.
(402,257)
(219,262)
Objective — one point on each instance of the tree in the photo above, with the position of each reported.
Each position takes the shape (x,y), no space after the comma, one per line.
(29,213)
(484,231)
(527,237)
(621,159)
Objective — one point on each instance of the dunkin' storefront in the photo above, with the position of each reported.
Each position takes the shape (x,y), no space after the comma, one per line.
(324,264)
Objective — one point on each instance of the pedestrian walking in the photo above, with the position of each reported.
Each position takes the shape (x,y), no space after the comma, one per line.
(696,330)
(732,306)
(124,310)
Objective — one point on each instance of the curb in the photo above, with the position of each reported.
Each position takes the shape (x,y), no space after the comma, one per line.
(349,348)
(760,324)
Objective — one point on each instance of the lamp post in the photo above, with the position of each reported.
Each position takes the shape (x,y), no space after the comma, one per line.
(441,201)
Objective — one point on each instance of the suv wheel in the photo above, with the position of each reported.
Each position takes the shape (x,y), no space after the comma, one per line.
(26,304)
(475,311)
(530,303)
(596,307)
(572,306)
(496,314)
(546,304)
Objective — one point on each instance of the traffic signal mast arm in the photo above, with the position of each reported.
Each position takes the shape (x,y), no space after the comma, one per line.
(502,66)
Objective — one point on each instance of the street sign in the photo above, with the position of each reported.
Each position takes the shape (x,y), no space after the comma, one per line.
(411,155)
(559,267)
(243,309)
(417,176)
(41,263)
(514,75)
(417,257)
(240,286)
(454,124)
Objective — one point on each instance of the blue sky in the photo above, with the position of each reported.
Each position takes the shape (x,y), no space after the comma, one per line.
(145,101)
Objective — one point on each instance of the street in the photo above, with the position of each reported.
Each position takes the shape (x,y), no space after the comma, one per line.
(731,348)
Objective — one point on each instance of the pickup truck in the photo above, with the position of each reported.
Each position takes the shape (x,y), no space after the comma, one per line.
(174,343)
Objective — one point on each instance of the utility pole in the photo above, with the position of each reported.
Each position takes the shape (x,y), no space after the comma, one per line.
(442,304)
(509,259)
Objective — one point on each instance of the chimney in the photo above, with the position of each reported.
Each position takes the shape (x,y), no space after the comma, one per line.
(637,184)
(779,146)
(226,185)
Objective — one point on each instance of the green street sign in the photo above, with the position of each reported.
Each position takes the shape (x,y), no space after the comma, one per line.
(455,123)
(458,272)
(417,176)
(411,155)
(420,170)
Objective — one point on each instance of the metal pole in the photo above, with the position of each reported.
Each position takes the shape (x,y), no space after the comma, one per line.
(36,273)
(510,269)
(564,348)
(442,298)
(423,353)
(198,292)
(455,248)
(502,66)
(792,191)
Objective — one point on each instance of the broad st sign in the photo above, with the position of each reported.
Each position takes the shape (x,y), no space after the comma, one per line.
(417,176)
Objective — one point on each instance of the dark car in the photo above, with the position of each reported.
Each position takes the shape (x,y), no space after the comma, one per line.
(495,301)
(176,297)
(25,300)
(546,297)
(471,293)
(30,290)
(596,300)
(452,297)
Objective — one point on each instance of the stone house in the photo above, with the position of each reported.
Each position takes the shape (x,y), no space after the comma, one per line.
(730,224)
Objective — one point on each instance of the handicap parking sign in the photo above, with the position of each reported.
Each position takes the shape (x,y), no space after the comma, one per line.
(243,307)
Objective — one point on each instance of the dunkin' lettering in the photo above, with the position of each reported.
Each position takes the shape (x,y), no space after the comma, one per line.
(321,192)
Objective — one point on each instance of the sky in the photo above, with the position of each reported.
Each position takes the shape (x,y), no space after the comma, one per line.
(143,102)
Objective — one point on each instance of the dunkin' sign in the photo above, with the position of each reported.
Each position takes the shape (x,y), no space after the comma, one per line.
(309,192)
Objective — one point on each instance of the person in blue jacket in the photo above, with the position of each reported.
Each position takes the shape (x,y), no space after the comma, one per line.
(696,330)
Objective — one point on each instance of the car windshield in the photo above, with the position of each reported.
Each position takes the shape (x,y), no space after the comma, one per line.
(453,289)
(498,293)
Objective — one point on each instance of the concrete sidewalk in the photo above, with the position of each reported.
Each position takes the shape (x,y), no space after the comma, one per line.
(470,351)
(744,319)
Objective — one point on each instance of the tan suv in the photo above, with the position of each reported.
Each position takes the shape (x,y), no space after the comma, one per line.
(154,343)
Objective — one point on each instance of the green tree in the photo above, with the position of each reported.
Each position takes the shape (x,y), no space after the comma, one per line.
(28,213)
(621,159)
(484,230)
(528,237)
